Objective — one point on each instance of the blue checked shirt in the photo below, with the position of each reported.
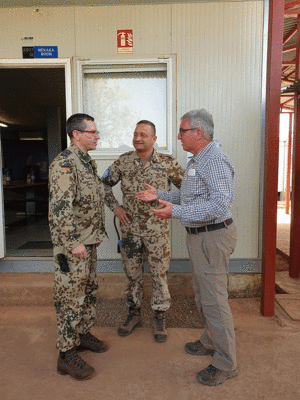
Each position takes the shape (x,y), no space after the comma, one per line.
(207,189)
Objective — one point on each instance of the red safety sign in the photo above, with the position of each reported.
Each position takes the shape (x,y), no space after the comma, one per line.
(125,41)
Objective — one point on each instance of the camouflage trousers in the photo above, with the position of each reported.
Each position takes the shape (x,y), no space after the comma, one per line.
(74,298)
(156,249)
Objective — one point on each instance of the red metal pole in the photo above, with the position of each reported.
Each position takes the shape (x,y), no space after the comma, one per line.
(275,44)
(295,221)
(288,172)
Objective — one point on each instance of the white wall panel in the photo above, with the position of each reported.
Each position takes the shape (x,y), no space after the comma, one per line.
(219,58)
(53,26)
(96,30)
(218,46)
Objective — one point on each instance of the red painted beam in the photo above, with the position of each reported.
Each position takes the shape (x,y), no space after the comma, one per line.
(295,221)
(275,45)
(288,48)
(289,62)
(291,4)
(287,101)
(290,34)
(287,80)
(293,11)
(290,74)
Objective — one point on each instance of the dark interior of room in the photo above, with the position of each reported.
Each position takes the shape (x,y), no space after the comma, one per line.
(25,94)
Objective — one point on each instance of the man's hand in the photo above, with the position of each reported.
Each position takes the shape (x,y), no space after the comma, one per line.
(147,195)
(163,213)
(79,251)
(121,213)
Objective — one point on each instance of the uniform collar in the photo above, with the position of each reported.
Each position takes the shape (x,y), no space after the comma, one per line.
(85,158)
(153,157)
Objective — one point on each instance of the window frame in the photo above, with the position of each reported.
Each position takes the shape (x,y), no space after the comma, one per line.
(131,66)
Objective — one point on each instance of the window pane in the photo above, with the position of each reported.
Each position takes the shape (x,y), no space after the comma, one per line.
(118,100)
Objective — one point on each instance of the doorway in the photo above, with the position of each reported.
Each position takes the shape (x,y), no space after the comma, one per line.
(33,107)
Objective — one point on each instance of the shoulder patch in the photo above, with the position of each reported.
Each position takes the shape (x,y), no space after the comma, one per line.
(106,173)
(65,153)
(66,165)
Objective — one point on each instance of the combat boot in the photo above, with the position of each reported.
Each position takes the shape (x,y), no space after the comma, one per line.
(90,342)
(160,330)
(132,321)
(70,362)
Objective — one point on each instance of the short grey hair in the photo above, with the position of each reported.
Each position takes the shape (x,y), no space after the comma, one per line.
(201,119)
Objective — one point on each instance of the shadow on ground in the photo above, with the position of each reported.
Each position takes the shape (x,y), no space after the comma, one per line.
(281,263)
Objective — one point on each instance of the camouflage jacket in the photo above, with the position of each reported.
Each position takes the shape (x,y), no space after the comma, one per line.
(76,200)
(159,171)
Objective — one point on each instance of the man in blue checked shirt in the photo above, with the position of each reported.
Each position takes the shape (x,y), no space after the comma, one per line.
(203,206)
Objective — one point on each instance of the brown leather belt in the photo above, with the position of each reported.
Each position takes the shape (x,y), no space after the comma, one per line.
(208,228)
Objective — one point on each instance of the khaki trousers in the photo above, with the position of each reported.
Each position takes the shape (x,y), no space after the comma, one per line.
(156,249)
(209,254)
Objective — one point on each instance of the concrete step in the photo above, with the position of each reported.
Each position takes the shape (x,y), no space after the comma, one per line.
(35,289)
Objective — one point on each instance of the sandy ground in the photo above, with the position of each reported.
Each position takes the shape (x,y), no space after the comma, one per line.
(136,367)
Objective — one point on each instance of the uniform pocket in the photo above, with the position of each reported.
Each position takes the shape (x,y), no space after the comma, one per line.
(88,191)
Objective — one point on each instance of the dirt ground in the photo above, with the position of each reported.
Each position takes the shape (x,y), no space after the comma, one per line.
(182,313)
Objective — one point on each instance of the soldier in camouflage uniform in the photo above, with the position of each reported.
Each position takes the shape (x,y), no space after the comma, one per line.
(143,235)
(76,219)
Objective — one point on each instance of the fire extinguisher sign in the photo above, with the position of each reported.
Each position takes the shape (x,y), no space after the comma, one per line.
(125,41)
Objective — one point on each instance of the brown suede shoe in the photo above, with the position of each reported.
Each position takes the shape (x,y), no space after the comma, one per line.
(71,363)
(212,376)
(159,326)
(197,349)
(132,321)
(90,342)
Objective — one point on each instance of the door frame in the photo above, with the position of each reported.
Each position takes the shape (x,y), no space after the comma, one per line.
(33,63)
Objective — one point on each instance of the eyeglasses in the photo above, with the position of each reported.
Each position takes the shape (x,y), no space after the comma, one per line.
(94,133)
(181,130)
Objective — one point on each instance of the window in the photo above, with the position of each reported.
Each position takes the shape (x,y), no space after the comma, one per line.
(119,94)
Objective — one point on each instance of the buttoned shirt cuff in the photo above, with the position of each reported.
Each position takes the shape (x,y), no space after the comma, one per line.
(176,211)
(159,194)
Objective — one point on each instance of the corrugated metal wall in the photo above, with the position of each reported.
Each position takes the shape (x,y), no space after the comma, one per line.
(219,57)
(219,49)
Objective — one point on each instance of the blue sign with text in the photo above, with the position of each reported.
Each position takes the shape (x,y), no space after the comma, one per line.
(45,52)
